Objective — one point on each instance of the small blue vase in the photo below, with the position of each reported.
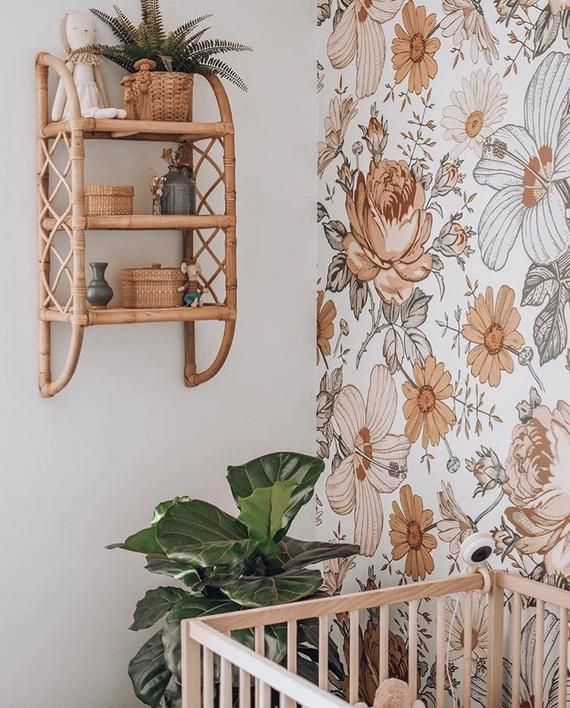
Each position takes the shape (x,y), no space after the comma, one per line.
(99,292)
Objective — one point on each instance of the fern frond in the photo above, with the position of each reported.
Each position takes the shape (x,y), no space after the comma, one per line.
(146,10)
(128,24)
(214,46)
(216,66)
(116,53)
(180,33)
(115,23)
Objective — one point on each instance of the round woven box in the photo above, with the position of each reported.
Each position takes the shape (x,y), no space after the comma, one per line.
(109,200)
(154,287)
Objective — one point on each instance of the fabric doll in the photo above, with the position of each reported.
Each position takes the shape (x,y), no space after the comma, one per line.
(77,31)
(393,693)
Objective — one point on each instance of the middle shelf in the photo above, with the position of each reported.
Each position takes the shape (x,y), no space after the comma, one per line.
(129,315)
(147,222)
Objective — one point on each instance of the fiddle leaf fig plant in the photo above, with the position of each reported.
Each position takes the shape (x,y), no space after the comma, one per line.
(227,563)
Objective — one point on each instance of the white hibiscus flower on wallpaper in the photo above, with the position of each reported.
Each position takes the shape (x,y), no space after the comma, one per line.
(376,460)
(359,35)
(529,168)
(475,112)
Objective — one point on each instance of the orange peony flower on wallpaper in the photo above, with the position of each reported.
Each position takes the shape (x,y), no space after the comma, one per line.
(389,228)
(424,409)
(413,48)
(538,485)
(492,327)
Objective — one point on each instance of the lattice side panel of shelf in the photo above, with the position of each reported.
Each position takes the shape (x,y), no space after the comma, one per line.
(56,243)
(209,244)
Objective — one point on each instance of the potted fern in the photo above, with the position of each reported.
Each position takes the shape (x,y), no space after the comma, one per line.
(162,64)
(226,563)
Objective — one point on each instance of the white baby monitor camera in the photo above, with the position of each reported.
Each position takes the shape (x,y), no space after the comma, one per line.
(477,549)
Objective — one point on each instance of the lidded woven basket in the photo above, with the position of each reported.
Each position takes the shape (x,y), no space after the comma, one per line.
(158,95)
(154,287)
(109,200)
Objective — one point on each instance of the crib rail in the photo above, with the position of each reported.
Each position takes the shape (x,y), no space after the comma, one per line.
(219,671)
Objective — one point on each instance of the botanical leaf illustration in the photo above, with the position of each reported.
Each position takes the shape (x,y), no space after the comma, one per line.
(339,275)
(546,30)
(416,346)
(415,309)
(358,295)
(393,349)
(335,231)
(550,284)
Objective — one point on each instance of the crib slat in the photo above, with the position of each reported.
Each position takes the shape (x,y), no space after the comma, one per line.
(354,658)
(225,684)
(291,659)
(244,689)
(208,678)
(259,649)
(440,657)
(495,675)
(413,648)
(538,673)
(324,653)
(467,647)
(563,660)
(516,651)
(383,642)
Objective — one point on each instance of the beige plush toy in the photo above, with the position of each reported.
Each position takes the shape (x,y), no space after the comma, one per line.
(393,693)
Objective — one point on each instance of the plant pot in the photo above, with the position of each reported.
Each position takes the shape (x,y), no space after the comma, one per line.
(158,95)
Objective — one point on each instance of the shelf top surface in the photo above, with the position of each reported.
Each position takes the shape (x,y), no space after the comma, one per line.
(93,128)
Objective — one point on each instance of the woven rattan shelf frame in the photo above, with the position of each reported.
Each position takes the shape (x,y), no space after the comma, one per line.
(63,226)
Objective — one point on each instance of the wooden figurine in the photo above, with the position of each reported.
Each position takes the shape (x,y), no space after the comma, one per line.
(192,290)
(78,31)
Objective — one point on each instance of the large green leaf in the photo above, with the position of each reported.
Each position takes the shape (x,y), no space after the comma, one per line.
(201,534)
(145,541)
(298,554)
(265,471)
(148,672)
(141,542)
(155,605)
(263,512)
(187,574)
(254,591)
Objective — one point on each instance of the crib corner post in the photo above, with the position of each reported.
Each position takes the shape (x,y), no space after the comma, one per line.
(191,666)
(495,656)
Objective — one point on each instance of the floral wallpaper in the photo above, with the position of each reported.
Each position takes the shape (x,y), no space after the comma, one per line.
(442,307)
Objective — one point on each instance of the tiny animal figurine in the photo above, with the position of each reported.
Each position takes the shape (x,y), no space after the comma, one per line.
(192,290)
(78,31)
(157,190)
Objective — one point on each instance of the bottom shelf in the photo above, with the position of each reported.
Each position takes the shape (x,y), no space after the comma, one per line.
(127,315)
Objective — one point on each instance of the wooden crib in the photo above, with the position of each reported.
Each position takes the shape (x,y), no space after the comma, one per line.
(213,663)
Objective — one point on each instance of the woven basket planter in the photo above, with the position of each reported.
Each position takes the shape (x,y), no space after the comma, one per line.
(109,200)
(158,96)
(151,288)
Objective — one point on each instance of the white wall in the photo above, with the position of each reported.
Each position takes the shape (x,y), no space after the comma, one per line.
(85,468)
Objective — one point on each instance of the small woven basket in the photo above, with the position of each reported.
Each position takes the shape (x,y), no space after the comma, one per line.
(159,95)
(109,200)
(154,287)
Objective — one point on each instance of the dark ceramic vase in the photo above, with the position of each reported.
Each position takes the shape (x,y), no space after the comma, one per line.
(99,292)
(178,192)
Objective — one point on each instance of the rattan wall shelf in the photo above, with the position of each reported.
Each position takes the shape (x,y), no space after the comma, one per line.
(208,238)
